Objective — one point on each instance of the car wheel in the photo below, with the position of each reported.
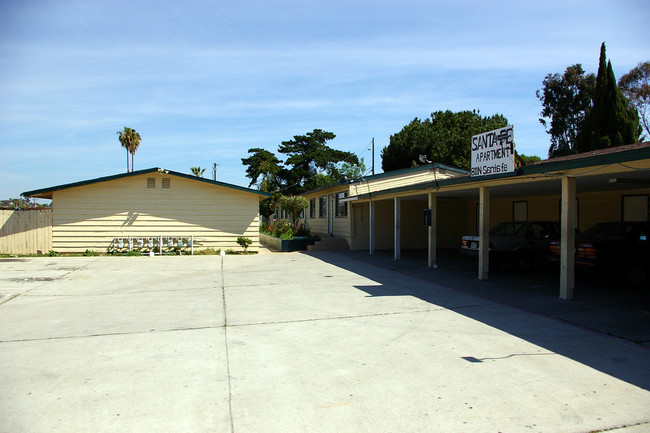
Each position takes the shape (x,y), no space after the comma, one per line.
(523,261)
(635,275)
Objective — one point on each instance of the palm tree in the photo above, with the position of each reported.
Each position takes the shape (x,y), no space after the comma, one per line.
(130,140)
(197,171)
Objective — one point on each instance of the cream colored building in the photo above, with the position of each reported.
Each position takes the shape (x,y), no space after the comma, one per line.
(578,191)
(334,211)
(151,206)
(429,208)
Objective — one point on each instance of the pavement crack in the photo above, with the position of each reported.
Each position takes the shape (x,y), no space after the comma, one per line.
(320,319)
(111,334)
(71,270)
(227,353)
(137,292)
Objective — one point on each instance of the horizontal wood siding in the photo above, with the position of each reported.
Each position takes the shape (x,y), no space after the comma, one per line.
(341,226)
(25,231)
(398,180)
(90,216)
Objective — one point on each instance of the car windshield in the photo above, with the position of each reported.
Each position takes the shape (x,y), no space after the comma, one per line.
(607,231)
(506,229)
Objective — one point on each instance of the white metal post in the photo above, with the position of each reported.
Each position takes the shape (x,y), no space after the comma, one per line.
(432,247)
(567,248)
(484,233)
(397,229)
(371,222)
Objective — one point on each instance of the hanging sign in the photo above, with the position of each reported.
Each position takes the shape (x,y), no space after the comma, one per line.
(493,152)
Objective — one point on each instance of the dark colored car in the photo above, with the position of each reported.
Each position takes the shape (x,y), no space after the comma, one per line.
(521,243)
(618,248)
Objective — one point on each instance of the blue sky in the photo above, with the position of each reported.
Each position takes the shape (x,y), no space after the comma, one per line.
(204,81)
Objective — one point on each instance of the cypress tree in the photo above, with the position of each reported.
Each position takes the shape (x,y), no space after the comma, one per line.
(611,121)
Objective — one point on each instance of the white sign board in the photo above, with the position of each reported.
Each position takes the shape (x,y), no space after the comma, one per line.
(493,152)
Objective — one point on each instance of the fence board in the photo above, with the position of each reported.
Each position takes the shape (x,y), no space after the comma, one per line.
(25,231)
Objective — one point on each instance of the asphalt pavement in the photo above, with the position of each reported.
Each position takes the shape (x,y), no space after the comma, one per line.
(318,342)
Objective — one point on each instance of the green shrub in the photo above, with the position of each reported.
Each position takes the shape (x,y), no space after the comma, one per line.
(244,242)
(90,253)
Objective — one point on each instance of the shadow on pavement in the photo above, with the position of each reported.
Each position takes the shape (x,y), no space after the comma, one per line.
(599,307)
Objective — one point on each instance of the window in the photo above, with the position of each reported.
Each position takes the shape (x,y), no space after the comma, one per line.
(341,207)
(166,182)
(635,208)
(520,211)
(151,182)
(312,208)
(322,206)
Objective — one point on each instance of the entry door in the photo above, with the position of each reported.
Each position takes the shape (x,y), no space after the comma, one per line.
(330,215)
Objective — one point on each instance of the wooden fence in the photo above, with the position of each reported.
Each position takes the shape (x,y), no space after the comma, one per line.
(25,231)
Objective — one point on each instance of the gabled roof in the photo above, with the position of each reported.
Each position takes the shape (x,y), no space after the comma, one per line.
(425,167)
(47,192)
(393,173)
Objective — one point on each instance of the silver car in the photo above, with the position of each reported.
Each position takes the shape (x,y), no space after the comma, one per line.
(520,243)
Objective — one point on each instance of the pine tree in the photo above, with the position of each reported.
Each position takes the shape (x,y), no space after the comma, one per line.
(611,121)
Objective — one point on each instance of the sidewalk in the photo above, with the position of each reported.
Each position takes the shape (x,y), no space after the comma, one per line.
(318,342)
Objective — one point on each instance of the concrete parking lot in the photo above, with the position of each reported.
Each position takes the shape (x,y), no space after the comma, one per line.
(319,342)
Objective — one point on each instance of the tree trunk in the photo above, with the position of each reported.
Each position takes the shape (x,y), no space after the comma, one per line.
(127,160)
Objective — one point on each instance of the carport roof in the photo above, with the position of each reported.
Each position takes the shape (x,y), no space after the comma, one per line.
(48,192)
(546,170)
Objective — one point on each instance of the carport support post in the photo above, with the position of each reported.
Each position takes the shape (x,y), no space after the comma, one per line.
(568,228)
(371,221)
(397,229)
(432,231)
(484,233)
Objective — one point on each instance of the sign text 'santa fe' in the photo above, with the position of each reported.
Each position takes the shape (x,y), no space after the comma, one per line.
(493,152)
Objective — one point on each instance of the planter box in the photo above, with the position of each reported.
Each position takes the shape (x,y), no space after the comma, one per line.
(286,245)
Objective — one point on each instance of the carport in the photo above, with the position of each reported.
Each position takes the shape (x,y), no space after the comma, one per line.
(578,190)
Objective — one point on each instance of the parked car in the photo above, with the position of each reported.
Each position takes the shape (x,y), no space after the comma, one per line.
(618,248)
(521,243)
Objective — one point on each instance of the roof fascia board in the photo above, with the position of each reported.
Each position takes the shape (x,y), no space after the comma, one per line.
(551,167)
(52,189)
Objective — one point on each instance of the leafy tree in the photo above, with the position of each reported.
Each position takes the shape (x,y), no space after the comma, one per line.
(611,121)
(529,159)
(309,156)
(311,164)
(635,85)
(565,101)
(294,205)
(130,140)
(197,171)
(263,163)
(351,171)
(443,138)
(22,203)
